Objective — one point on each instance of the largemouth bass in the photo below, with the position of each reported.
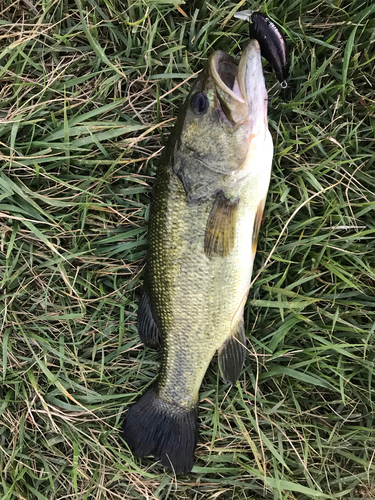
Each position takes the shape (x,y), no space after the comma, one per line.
(206,210)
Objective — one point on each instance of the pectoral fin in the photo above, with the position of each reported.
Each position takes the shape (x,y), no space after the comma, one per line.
(232,354)
(257,223)
(146,324)
(221,227)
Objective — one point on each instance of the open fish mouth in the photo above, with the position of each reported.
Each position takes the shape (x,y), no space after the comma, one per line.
(224,70)
(240,88)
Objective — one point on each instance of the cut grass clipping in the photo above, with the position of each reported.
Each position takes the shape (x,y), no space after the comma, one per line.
(88,93)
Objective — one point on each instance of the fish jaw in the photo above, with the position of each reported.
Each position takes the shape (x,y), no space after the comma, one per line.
(243,101)
(252,87)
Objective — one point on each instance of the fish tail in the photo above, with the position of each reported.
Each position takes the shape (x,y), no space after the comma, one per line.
(168,431)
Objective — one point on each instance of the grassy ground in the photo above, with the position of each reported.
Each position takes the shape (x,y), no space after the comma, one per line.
(88,92)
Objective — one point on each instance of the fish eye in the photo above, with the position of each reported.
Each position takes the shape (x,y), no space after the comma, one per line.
(199,103)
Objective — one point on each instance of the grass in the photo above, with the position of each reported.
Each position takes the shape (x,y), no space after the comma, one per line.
(88,93)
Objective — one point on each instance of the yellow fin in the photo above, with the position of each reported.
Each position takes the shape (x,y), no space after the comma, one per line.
(221,227)
(257,223)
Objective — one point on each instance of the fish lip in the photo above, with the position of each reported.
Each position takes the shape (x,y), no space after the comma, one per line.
(241,86)
(250,72)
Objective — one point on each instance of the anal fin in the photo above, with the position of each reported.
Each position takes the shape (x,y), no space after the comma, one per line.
(146,324)
(221,226)
(232,354)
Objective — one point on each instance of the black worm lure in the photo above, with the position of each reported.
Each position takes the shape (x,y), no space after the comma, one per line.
(272,42)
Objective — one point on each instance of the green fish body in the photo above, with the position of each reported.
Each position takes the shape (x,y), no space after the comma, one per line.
(206,210)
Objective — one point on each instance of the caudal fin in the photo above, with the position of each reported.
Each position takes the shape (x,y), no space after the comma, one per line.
(168,431)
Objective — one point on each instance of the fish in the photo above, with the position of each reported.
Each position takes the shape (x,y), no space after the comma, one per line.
(271,40)
(206,209)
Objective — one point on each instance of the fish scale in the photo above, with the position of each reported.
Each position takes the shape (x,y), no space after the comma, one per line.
(196,300)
